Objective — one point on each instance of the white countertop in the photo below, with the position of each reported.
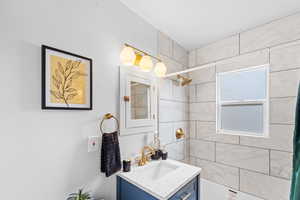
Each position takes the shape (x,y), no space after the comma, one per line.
(158,182)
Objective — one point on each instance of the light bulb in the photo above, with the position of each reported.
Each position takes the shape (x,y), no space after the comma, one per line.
(146,63)
(127,56)
(160,69)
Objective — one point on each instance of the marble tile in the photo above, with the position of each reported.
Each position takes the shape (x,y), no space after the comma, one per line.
(277,32)
(192,58)
(244,157)
(266,187)
(180,93)
(282,110)
(192,128)
(280,138)
(281,164)
(218,173)
(202,149)
(165,45)
(221,49)
(192,93)
(247,60)
(207,131)
(176,150)
(203,75)
(180,54)
(193,160)
(172,111)
(284,83)
(206,92)
(203,111)
(166,133)
(285,57)
(165,89)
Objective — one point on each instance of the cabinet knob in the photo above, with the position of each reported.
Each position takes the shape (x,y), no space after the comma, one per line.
(126,98)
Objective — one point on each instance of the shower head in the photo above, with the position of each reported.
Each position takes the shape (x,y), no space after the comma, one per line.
(184,80)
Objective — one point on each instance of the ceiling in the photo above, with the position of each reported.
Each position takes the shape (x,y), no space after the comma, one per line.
(193,23)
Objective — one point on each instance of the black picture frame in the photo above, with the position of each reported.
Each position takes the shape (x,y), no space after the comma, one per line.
(44,104)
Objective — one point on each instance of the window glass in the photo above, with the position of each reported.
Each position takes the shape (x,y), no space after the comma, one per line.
(247,118)
(243,85)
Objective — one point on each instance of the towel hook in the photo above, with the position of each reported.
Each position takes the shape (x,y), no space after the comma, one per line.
(108,116)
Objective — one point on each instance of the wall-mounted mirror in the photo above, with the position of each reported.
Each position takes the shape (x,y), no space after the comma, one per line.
(138,101)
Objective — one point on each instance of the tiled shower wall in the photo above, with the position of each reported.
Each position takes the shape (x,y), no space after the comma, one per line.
(173,100)
(257,166)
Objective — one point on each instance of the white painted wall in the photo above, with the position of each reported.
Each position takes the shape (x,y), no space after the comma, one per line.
(44,153)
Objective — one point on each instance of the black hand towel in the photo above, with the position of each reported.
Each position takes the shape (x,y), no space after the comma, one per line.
(110,154)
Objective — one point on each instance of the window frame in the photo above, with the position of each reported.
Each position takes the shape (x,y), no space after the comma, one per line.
(264,102)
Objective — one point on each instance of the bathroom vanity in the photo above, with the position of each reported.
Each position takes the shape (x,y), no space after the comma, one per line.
(160,180)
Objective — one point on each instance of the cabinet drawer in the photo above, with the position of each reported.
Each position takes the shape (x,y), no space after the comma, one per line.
(188,192)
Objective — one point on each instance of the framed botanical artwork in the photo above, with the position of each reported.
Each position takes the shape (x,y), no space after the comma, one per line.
(66,80)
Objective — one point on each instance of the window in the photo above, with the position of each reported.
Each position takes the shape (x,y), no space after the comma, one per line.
(243,102)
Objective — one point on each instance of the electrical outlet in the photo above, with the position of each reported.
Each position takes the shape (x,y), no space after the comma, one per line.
(93,143)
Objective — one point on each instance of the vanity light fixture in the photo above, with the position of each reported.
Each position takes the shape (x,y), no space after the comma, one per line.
(160,69)
(146,63)
(128,56)
(133,56)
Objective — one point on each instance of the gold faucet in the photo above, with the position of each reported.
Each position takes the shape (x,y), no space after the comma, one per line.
(145,157)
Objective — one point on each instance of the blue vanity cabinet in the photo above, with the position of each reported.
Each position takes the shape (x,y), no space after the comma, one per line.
(128,191)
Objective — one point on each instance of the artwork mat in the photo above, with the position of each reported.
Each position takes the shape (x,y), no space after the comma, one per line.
(46,79)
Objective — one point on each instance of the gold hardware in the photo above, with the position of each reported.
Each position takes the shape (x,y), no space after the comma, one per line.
(143,52)
(184,80)
(126,98)
(179,133)
(106,117)
(145,157)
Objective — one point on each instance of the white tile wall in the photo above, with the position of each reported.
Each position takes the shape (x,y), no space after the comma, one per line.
(274,33)
(206,92)
(207,131)
(165,89)
(192,128)
(166,133)
(180,54)
(284,83)
(202,149)
(243,157)
(165,45)
(282,110)
(192,58)
(203,75)
(247,60)
(264,163)
(222,174)
(172,111)
(203,111)
(285,56)
(281,164)
(267,187)
(281,138)
(225,48)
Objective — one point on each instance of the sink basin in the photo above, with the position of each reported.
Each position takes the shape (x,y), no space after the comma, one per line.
(161,178)
(155,170)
